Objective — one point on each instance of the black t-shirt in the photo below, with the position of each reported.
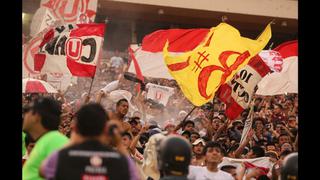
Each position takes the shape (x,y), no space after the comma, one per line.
(91,160)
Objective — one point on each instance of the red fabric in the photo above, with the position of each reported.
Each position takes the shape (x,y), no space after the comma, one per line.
(85,70)
(233,109)
(288,49)
(35,86)
(257,63)
(180,40)
(250,165)
(88,30)
(39,60)
(136,67)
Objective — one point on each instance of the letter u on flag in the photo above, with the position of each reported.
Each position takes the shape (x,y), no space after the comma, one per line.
(213,62)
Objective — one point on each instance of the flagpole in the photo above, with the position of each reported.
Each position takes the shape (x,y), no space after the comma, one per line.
(250,116)
(189,113)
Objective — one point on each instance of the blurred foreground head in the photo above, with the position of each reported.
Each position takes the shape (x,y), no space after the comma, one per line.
(174,156)
(289,170)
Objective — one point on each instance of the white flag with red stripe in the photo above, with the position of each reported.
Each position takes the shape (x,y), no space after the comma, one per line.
(237,93)
(273,59)
(149,56)
(71,50)
(262,163)
(285,81)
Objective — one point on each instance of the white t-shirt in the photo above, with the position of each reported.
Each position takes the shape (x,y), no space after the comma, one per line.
(202,173)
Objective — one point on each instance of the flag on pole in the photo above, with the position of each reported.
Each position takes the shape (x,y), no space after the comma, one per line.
(285,81)
(71,49)
(149,55)
(72,11)
(238,92)
(213,62)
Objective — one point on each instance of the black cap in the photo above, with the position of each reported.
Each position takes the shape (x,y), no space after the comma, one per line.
(174,156)
(289,170)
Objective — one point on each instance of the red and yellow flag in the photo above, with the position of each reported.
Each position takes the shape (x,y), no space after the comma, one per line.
(213,62)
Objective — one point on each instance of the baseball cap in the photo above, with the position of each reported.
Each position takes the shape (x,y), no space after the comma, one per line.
(199,140)
(168,123)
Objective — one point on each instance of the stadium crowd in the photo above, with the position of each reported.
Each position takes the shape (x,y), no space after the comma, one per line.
(141,122)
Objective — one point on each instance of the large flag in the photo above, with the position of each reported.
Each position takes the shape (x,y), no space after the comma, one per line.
(30,49)
(238,92)
(149,56)
(71,50)
(72,11)
(285,81)
(213,62)
(66,11)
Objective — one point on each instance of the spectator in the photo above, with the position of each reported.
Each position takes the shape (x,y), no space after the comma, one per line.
(278,115)
(41,121)
(213,156)
(116,61)
(188,126)
(198,159)
(194,136)
(90,158)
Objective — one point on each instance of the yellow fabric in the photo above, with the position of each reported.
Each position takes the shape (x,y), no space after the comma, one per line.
(201,71)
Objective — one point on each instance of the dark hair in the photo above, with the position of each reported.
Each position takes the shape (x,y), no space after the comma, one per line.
(186,132)
(223,114)
(194,132)
(227,167)
(282,134)
(216,117)
(258,99)
(121,100)
(280,106)
(49,110)
(188,122)
(135,118)
(263,177)
(270,144)
(91,119)
(127,134)
(259,119)
(291,116)
(212,144)
(258,151)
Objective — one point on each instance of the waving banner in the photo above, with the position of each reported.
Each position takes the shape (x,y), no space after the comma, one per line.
(71,50)
(238,92)
(213,62)
(262,163)
(285,81)
(72,11)
(273,59)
